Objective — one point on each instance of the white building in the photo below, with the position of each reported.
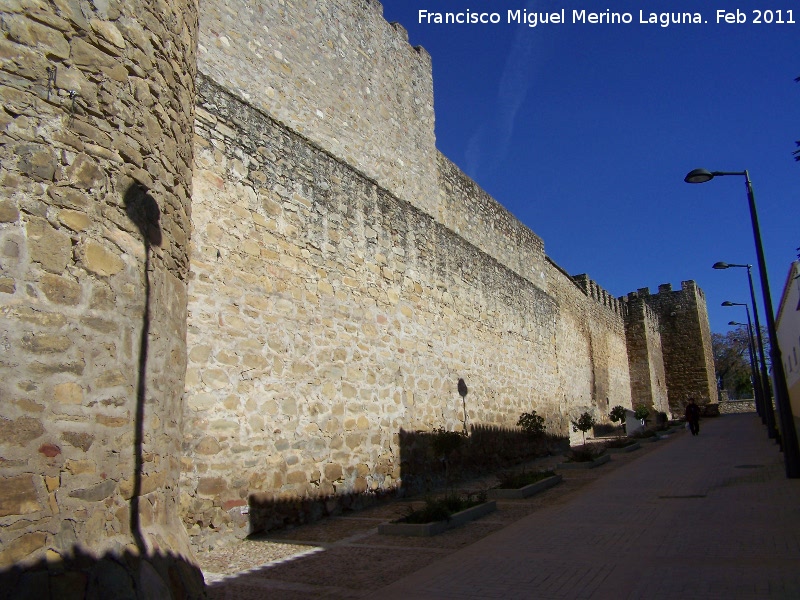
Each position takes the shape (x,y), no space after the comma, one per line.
(788,329)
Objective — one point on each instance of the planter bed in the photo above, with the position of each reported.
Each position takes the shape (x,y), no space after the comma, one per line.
(588,464)
(628,448)
(429,529)
(524,492)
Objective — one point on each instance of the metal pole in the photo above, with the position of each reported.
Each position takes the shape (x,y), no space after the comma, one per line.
(751,348)
(791,451)
(766,388)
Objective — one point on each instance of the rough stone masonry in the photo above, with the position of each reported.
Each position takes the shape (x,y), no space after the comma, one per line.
(234,265)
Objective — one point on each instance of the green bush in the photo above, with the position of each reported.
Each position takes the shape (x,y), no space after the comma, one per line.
(445,442)
(641,411)
(531,423)
(583,454)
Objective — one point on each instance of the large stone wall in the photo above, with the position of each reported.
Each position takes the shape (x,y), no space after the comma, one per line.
(338,73)
(325,316)
(95,146)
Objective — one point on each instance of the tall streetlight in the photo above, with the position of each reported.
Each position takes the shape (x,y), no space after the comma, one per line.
(762,396)
(765,387)
(791,452)
(753,370)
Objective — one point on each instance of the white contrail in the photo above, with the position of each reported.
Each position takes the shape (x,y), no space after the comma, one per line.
(512,90)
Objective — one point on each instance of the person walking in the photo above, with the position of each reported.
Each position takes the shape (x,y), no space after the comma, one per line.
(693,417)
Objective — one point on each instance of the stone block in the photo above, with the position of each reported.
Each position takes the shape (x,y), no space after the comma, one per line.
(68,393)
(20,431)
(101,261)
(18,496)
(18,549)
(8,212)
(60,290)
(48,246)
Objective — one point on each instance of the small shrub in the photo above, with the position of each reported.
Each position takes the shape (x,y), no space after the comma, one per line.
(620,442)
(440,509)
(647,433)
(531,423)
(584,423)
(641,412)
(583,454)
(510,480)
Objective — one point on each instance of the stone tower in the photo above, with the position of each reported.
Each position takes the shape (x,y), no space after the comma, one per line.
(96,152)
(679,320)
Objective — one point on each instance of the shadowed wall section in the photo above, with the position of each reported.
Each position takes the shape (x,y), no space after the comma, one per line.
(97,101)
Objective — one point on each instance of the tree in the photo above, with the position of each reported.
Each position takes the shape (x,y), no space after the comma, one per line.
(617,415)
(584,423)
(732,361)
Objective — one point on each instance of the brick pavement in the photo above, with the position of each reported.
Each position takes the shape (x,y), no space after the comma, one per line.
(711,516)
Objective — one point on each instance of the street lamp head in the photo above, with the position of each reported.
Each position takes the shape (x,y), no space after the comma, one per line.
(734,323)
(721,265)
(698,176)
(728,303)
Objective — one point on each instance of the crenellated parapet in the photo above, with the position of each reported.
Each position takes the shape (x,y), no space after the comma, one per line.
(603,297)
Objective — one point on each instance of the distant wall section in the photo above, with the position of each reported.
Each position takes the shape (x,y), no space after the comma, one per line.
(590,346)
(645,355)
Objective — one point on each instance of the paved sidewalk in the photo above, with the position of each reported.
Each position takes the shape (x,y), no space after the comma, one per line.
(711,516)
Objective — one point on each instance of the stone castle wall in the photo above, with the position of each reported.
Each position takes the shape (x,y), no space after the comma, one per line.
(482,221)
(96,153)
(326,315)
(342,276)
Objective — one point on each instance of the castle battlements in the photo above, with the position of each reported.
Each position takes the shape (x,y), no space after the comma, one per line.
(594,291)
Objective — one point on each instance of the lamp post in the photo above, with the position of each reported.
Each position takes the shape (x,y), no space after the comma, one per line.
(791,452)
(765,387)
(763,397)
(753,370)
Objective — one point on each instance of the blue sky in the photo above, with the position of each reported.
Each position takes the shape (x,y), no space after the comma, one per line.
(586,131)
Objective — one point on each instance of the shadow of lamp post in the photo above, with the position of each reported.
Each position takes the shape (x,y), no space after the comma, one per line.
(791,452)
(462,391)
